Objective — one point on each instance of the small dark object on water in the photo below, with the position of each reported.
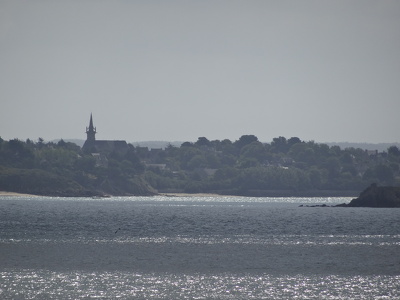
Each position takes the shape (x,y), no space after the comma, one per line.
(117,230)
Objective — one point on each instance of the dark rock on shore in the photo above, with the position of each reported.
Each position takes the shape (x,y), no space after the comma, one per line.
(316,205)
(377,196)
(325,205)
(373,196)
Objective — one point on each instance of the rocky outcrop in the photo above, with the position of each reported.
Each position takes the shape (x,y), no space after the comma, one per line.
(377,196)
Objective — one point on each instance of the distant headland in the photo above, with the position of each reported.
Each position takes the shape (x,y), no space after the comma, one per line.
(244,167)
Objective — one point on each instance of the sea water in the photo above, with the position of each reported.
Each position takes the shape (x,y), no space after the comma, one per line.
(196,248)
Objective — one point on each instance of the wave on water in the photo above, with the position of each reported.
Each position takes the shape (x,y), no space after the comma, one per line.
(196,248)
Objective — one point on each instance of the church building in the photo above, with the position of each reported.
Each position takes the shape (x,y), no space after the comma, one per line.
(92,145)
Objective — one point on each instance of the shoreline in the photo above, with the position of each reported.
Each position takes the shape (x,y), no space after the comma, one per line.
(15,194)
(273,195)
(194,195)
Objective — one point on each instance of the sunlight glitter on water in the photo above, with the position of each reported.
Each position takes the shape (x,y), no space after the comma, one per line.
(284,240)
(196,248)
(107,285)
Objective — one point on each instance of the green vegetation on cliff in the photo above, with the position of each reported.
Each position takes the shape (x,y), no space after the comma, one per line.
(63,170)
(243,167)
(282,167)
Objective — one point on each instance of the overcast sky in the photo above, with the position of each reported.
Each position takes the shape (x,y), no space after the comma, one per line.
(327,71)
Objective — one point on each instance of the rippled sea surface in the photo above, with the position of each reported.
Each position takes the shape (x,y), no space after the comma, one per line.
(196,248)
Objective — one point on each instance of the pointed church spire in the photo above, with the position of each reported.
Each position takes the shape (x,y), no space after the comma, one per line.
(91,122)
(91,131)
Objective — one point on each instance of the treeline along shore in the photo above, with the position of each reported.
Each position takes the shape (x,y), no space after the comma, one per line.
(245,167)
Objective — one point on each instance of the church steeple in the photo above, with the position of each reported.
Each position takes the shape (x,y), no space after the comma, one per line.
(91,131)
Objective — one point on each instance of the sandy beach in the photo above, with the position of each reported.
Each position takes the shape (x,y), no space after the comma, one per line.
(4,193)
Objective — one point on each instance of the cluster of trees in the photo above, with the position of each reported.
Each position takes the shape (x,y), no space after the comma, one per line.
(249,167)
(243,167)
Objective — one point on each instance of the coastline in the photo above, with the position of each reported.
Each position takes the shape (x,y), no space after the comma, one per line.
(4,193)
(268,193)
(15,194)
(264,194)
(194,195)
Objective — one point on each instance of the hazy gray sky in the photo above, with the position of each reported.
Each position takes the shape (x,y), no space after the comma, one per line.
(327,71)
